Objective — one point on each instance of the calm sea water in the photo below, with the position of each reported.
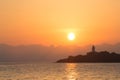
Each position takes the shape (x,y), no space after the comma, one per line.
(60,71)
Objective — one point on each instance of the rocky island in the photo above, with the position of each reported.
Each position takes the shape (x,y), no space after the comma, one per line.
(93,57)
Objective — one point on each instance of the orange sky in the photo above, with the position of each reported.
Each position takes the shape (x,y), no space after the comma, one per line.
(48,22)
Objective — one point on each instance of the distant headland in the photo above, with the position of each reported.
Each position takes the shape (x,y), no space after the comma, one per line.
(93,57)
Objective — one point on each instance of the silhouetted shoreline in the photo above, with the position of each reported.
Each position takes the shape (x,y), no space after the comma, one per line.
(93,57)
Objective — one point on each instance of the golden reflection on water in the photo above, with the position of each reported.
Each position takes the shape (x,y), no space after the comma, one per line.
(71,71)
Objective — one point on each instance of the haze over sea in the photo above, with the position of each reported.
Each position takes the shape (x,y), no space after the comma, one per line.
(60,71)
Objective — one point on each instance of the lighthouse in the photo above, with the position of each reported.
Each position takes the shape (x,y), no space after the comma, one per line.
(93,49)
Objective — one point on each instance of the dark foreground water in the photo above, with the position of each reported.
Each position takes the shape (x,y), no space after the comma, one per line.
(60,71)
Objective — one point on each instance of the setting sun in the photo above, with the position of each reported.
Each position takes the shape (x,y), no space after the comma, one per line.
(71,36)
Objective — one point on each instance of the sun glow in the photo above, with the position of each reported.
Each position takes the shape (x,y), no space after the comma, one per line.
(71,36)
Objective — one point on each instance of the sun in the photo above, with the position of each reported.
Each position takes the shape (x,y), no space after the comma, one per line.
(71,36)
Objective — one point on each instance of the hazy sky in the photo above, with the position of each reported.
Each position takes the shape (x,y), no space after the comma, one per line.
(48,22)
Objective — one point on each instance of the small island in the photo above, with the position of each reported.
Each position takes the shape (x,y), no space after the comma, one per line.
(93,57)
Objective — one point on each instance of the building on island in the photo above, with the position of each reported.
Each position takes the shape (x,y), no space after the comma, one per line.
(93,51)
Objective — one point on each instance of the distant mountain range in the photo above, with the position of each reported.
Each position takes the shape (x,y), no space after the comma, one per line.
(47,53)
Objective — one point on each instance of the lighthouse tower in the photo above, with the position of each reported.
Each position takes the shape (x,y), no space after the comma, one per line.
(93,49)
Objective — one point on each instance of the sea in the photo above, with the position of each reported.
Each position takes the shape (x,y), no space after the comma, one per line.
(59,71)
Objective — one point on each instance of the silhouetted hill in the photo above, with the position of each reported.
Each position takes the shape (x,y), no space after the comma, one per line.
(93,56)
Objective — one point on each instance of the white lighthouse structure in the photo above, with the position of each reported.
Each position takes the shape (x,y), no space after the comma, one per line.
(93,49)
